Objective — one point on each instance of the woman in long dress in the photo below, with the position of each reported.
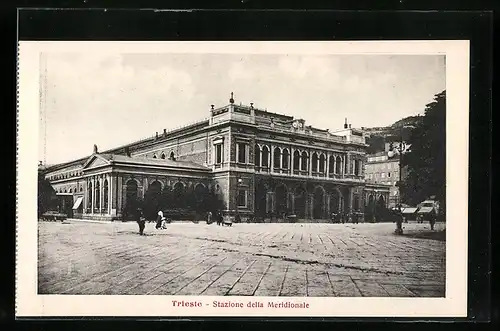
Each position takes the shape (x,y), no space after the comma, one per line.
(159,219)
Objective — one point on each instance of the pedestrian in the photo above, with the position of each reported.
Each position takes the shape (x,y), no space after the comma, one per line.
(399,222)
(209,217)
(141,221)
(432,221)
(159,220)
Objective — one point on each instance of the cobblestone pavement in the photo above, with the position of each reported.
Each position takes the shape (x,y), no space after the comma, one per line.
(314,259)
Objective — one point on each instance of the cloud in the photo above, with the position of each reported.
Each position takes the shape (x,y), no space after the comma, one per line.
(237,71)
(93,97)
(321,69)
(106,76)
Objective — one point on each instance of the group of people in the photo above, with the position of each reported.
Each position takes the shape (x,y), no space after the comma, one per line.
(161,221)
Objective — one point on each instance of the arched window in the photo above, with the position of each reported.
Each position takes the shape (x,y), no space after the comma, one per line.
(322,163)
(315,162)
(265,157)
(105,194)
(163,156)
(304,161)
(89,194)
(97,202)
(338,165)
(356,203)
(277,157)
(286,158)
(131,195)
(154,156)
(357,167)
(257,156)
(331,164)
(172,156)
(296,160)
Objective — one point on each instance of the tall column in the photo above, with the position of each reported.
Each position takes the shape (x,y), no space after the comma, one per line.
(335,164)
(351,195)
(289,200)
(310,164)
(327,205)
(260,158)
(327,165)
(85,195)
(311,206)
(101,192)
(281,160)
(119,194)
(272,158)
(145,184)
(344,165)
(110,193)
(93,194)
(291,159)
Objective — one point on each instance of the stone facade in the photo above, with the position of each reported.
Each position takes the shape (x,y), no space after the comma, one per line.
(380,169)
(261,163)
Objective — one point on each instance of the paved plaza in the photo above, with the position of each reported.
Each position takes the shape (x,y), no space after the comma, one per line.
(274,259)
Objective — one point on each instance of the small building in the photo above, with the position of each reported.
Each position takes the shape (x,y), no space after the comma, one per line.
(381,169)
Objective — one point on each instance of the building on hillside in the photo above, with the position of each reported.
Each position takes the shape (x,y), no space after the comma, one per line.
(381,169)
(257,162)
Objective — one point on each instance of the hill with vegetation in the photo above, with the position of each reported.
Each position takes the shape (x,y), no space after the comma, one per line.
(377,137)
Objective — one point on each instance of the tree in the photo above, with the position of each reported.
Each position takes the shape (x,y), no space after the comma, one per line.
(214,202)
(375,143)
(151,203)
(46,195)
(166,198)
(426,164)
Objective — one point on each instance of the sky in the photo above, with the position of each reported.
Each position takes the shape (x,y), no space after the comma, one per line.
(113,99)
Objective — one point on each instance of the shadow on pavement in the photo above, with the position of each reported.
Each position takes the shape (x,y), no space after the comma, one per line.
(431,235)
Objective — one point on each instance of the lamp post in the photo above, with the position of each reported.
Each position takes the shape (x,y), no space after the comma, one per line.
(401,149)
(238,185)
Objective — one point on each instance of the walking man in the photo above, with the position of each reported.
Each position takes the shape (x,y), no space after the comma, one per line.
(141,220)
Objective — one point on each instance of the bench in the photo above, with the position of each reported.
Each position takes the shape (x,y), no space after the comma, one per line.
(54,217)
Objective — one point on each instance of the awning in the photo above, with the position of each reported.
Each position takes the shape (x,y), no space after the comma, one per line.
(408,210)
(424,210)
(78,202)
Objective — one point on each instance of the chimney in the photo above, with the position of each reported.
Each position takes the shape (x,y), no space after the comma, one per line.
(156,136)
(231,100)
(95,149)
(212,107)
(40,163)
(349,126)
(164,132)
(345,123)
(251,105)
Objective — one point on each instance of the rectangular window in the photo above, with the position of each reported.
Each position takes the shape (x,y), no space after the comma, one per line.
(242,153)
(389,174)
(218,153)
(242,198)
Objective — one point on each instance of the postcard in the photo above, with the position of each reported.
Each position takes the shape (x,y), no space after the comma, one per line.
(276,179)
